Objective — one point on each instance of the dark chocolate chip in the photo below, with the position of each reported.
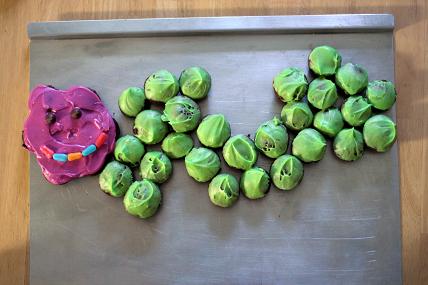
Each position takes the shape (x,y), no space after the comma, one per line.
(76,113)
(50,118)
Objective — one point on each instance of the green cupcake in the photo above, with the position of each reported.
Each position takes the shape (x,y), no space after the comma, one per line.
(379,133)
(115,179)
(348,145)
(286,172)
(255,183)
(195,82)
(129,150)
(202,164)
(240,152)
(182,113)
(309,145)
(272,138)
(329,122)
(142,199)
(149,127)
(223,190)
(356,110)
(213,131)
(324,60)
(322,93)
(352,78)
(177,145)
(131,101)
(155,166)
(381,94)
(296,115)
(161,86)
(290,84)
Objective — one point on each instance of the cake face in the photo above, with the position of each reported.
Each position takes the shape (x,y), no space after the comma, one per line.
(329,122)
(155,166)
(290,84)
(286,172)
(202,164)
(381,94)
(255,183)
(142,199)
(214,130)
(348,145)
(309,145)
(115,179)
(324,60)
(356,110)
(296,115)
(70,131)
(272,138)
(149,127)
(131,101)
(161,86)
(195,82)
(352,78)
(322,93)
(129,150)
(177,145)
(223,190)
(182,113)
(240,152)
(380,133)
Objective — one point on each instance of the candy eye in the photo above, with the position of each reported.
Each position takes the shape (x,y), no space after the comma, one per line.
(76,113)
(50,117)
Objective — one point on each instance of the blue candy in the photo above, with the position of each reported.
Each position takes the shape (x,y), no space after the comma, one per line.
(90,149)
(60,157)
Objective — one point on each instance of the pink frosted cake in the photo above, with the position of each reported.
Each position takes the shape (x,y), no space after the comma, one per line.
(70,131)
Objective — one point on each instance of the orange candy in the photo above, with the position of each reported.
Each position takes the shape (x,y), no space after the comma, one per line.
(74,156)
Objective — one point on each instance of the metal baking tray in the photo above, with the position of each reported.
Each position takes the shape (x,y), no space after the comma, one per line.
(340,226)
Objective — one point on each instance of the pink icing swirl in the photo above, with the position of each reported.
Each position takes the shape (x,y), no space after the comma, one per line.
(67,134)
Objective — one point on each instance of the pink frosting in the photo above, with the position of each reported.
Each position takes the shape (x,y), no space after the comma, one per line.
(68,134)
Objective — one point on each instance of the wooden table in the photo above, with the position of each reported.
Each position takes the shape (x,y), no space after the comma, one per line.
(412,104)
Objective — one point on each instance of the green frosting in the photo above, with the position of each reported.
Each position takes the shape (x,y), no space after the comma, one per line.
(155,166)
(290,84)
(115,179)
(195,82)
(182,113)
(255,183)
(131,101)
(161,86)
(349,145)
(286,172)
(356,110)
(149,127)
(202,164)
(240,152)
(223,190)
(142,199)
(379,133)
(129,150)
(352,78)
(309,145)
(322,93)
(329,122)
(381,94)
(213,131)
(177,145)
(272,138)
(324,60)
(297,115)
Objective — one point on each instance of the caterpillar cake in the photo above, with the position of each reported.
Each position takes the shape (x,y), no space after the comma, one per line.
(70,131)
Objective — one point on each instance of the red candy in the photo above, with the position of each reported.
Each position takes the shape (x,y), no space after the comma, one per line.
(101,140)
(46,151)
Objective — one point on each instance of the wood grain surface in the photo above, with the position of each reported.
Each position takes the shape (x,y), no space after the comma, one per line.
(412,104)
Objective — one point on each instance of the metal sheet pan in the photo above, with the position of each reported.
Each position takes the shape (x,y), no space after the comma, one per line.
(340,226)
